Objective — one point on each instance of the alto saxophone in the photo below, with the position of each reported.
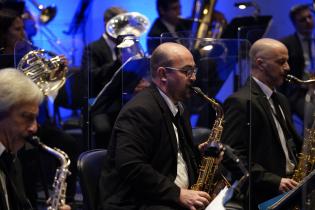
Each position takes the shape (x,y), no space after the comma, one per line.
(58,197)
(206,177)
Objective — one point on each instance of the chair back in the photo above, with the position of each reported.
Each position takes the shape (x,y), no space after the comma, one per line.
(89,165)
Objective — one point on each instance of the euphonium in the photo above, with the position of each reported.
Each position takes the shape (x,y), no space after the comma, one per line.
(58,196)
(206,179)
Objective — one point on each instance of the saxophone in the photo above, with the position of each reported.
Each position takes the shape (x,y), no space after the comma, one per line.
(58,197)
(306,158)
(206,177)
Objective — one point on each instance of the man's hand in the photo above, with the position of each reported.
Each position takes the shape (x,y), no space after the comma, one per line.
(287,184)
(193,200)
(64,207)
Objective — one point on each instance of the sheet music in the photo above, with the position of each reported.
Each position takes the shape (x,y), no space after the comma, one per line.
(217,203)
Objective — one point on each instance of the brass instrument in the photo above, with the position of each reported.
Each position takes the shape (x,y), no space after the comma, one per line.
(207,23)
(126,28)
(45,69)
(306,159)
(128,23)
(58,198)
(206,179)
(46,13)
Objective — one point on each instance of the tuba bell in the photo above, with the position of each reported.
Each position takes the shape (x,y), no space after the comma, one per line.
(45,69)
(125,28)
(132,23)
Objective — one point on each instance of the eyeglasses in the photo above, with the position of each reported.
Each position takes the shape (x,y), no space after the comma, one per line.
(188,71)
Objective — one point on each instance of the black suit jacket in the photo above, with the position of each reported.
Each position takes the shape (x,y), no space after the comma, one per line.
(295,94)
(158,28)
(141,164)
(98,65)
(249,128)
(296,58)
(14,186)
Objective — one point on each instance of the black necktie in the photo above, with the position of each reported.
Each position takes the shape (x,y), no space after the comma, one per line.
(283,124)
(186,150)
(279,115)
(6,161)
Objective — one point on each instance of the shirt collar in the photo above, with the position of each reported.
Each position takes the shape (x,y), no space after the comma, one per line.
(267,91)
(110,42)
(170,27)
(169,102)
(303,38)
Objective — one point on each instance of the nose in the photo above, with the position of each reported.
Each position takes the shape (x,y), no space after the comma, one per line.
(32,129)
(286,67)
(193,77)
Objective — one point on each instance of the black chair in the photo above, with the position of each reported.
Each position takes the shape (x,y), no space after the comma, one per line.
(89,168)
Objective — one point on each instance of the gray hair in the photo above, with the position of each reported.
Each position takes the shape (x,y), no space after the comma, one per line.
(16,88)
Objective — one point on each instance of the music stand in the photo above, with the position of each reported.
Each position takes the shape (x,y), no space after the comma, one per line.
(122,83)
(248,27)
(290,198)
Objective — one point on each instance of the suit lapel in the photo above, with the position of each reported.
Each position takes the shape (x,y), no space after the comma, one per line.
(167,118)
(261,98)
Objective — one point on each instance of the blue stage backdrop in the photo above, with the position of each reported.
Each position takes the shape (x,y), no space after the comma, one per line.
(93,27)
(63,37)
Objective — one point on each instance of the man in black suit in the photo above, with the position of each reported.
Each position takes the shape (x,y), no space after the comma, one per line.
(151,160)
(19,102)
(301,55)
(258,125)
(169,21)
(99,63)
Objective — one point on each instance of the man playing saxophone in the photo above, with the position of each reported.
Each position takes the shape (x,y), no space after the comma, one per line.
(151,160)
(259,128)
(19,101)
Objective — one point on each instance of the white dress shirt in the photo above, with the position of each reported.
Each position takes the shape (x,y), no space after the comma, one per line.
(268,92)
(182,173)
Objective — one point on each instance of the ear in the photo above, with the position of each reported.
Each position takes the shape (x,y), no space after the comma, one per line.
(260,63)
(162,74)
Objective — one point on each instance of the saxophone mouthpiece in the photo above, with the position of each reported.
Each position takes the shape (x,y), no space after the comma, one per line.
(291,79)
(294,80)
(34,140)
(197,90)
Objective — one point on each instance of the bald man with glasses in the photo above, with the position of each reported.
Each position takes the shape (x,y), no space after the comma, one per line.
(151,161)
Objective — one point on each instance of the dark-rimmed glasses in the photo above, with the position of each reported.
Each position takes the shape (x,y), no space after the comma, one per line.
(188,71)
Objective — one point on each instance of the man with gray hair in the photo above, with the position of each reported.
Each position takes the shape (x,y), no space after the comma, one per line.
(19,102)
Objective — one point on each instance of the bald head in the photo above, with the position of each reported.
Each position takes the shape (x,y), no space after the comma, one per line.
(264,48)
(269,61)
(167,54)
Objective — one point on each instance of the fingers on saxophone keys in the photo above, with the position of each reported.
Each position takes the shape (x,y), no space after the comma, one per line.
(203,200)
